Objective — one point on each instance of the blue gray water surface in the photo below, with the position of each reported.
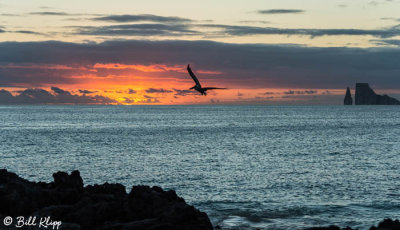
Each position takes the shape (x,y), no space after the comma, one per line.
(248,167)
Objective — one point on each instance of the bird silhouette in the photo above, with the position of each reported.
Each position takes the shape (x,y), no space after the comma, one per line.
(198,87)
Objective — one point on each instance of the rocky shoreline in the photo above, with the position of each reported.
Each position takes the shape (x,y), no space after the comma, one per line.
(66,204)
(387,224)
(99,207)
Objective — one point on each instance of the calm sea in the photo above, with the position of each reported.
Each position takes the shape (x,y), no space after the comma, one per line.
(268,167)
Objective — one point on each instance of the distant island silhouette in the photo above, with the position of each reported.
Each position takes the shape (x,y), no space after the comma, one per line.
(366,96)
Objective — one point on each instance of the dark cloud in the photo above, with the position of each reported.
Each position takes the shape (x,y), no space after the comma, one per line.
(268,93)
(51,13)
(149,99)
(301,92)
(137,30)
(24,77)
(26,32)
(388,18)
(85,91)
(132,91)
(35,96)
(57,96)
(2,31)
(254,21)
(241,65)
(60,91)
(240,94)
(183,92)
(175,26)
(161,90)
(391,19)
(281,11)
(141,17)
(229,30)
(385,42)
(6,97)
(57,13)
(326,92)
(10,15)
(128,100)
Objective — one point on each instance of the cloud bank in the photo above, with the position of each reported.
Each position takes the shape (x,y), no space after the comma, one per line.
(138,30)
(239,65)
(281,11)
(55,96)
(229,30)
(141,17)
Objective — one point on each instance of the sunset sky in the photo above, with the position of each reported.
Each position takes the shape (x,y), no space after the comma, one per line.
(136,52)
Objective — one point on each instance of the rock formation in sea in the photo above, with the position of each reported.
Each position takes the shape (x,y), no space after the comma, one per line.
(348,100)
(96,207)
(366,96)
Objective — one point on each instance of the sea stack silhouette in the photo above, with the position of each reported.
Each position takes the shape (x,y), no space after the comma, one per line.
(366,96)
(348,100)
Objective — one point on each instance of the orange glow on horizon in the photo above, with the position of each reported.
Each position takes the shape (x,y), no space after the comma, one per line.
(162,85)
(127,95)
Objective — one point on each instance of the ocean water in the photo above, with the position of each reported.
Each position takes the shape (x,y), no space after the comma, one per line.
(248,167)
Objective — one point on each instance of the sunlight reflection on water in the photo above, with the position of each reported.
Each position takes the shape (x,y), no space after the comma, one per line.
(274,167)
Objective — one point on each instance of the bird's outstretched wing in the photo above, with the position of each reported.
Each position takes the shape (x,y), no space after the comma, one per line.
(193,76)
(210,88)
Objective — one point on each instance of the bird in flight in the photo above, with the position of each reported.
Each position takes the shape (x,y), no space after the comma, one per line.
(198,87)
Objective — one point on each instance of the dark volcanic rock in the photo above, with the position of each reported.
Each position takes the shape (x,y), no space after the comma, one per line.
(348,100)
(97,207)
(366,96)
(387,224)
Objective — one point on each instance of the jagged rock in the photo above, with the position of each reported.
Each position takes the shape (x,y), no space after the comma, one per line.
(387,224)
(348,100)
(65,181)
(97,207)
(366,96)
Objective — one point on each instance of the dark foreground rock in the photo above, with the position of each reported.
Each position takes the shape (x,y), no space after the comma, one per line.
(105,207)
(366,96)
(387,224)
